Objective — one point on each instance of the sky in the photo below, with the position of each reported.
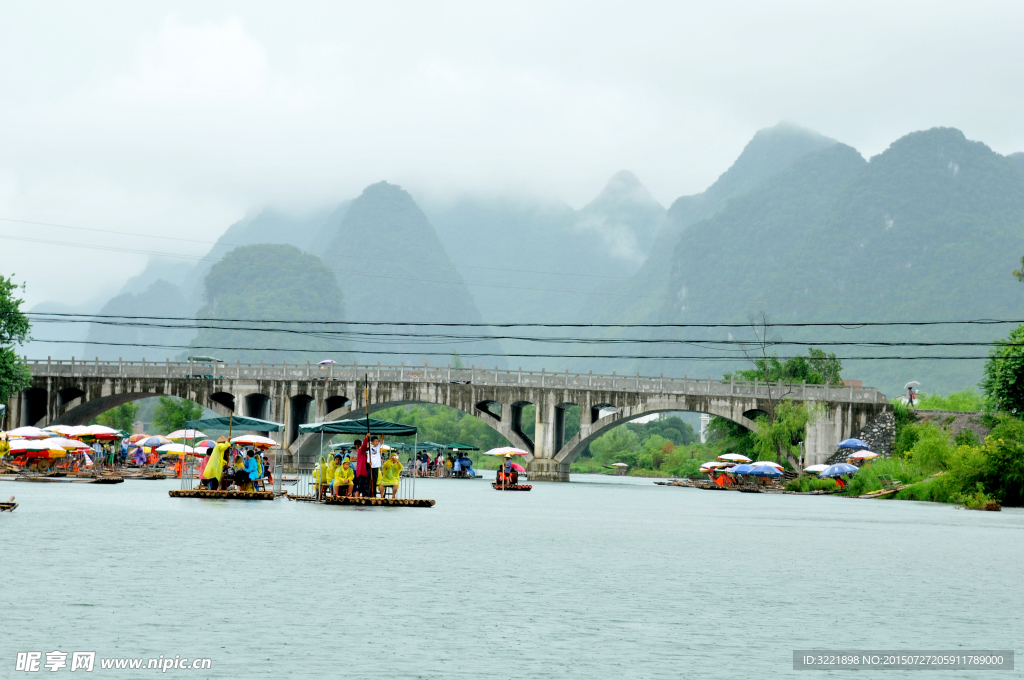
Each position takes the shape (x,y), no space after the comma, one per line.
(177,119)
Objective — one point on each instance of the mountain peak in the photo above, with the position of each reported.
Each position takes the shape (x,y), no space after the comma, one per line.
(624,186)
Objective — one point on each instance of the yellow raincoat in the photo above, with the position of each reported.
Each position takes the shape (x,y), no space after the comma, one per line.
(324,471)
(343,477)
(390,471)
(215,466)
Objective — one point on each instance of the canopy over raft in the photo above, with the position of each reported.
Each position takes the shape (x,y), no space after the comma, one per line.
(359,426)
(236,422)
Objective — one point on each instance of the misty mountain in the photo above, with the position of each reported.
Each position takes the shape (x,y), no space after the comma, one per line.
(930,229)
(1018,160)
(536,260)
(160,298)
(270,282)
(393,268)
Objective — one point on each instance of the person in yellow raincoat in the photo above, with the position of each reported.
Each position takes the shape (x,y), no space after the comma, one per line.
(344,476)
(390,473)
(214,470)
(323,475)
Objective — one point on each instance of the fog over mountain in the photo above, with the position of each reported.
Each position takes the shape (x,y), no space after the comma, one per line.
(800,227)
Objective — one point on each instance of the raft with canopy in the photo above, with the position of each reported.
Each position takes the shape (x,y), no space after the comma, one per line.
(362,427)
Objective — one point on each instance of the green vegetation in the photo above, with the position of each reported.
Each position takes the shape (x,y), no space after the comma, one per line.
(265,283)
(121,417)
(778,439)
(817,368)
(1003,383)
(14,328)
(940,470)
(964,400)
(444,425)
(171,414)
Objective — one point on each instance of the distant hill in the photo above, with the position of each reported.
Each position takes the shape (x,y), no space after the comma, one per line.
(929,229)
(393,268)
(270,282)
(159,299)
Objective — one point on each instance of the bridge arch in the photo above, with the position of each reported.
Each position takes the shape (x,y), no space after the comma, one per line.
(575,446)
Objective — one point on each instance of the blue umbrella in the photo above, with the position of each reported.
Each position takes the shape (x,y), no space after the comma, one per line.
(853,444)
(838,470)
(765,471)
(742,469)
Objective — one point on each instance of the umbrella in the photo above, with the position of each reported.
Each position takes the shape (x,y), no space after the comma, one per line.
(620,464)
(912,383)
(462,447)
(837,470)
(764,470)
(38,448)
(65,443)
(769,462)
(815,469)
(712,464)
(325,362)
(507,451)
(734,458)
(518,467)
(852,444)
(255,440)
(28,433)
(186,434)
(63,430)
(137,438)
(101,432)
(743,469)
(153,442)
(175,448)
(863,455)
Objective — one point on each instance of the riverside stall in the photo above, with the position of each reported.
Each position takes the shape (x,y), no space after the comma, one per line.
(356,427)
(193,472)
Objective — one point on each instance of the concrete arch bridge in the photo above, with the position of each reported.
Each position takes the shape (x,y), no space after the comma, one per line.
(73,392)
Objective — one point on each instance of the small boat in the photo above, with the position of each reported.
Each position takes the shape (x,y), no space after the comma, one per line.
(9,505)
(511,487)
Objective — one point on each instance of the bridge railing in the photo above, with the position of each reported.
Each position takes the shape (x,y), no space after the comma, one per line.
(442,374)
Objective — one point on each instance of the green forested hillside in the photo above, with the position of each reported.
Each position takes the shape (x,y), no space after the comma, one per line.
(929,229)
(270,282)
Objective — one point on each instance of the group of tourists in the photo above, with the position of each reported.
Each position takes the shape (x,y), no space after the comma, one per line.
(374,473)
(225,466)
(452,465)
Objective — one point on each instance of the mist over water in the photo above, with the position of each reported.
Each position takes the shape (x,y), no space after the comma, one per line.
(595,578)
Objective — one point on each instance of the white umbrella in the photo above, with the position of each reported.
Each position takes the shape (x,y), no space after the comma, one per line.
(768,462)
(186,434)
(863,455)
(715,464)
(325,362)
(28,432)
(175,448)
(65,443)
(734,458)
(815,469)
(620,464)
(254,440)
(507,450)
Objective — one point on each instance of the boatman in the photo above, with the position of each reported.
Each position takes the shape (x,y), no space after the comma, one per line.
(362,467)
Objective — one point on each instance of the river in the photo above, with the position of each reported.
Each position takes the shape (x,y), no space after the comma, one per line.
(600,577)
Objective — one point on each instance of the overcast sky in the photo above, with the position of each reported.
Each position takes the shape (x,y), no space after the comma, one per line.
(179,118)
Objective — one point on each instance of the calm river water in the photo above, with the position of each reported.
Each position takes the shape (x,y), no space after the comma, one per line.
(597,578)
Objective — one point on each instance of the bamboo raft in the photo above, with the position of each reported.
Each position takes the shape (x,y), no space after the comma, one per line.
(231,495)
(8,505)
(511,487)
(387,502)
(70,480)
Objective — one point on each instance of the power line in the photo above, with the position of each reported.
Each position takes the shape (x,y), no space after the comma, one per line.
(846,325)
(487,354)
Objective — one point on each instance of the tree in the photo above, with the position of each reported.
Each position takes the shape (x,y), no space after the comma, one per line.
(456,360)
(171,414)
(120,417)
(780,437)
(1003,381)
(14,328)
